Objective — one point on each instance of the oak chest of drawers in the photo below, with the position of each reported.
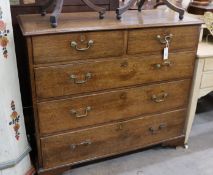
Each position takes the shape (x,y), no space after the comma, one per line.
(101,87)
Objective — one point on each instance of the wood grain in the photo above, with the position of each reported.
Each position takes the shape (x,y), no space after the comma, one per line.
(54,171)
(111,139)
(178,142)
(59,46)
(75,22)
(56,116)
(146,41)
(33,93)
(172,142)
(54,81)
(129,92)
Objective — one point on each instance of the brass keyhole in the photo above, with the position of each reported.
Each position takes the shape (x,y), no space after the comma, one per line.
(82,38)
(123,96)
(120,127)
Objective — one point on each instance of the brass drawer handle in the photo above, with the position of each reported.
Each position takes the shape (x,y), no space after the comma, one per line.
(86,78)
(85,143)
(167,63)
(160,97)
(75,45)
(156,130)
(77,115)
(165,39)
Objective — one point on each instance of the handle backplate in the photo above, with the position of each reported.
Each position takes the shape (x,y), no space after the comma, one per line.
(154,130)
(84,143)
(74,45)
(87,76)
(161,97)
(77,115)
(165,39)
(166,63)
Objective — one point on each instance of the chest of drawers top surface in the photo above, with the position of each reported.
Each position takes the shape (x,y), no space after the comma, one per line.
(88,21)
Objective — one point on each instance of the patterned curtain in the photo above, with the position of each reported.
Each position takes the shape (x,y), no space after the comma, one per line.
(14,148)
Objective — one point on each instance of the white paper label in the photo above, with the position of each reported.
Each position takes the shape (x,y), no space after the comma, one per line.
(165,53)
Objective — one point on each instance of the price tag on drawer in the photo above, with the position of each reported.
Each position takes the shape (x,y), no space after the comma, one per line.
(166,53)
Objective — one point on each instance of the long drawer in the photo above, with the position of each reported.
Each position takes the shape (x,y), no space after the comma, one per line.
(84,111)
(111,139)
(77,46)
(82,77)
(147,41)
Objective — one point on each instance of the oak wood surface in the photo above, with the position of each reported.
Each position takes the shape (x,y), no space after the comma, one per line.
(120,88)
(33,94)
(76,22)
(59,46)
(110,139)
(55,81)
(57,116)
(70,6)
(171,142)
(146,41)
(179,142)
(53,171)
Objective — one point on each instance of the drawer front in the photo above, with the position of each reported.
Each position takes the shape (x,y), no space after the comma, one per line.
(207,80)
(111,139)
(77,46)
(84,111)
(70,79)
(208,64)
(146,40)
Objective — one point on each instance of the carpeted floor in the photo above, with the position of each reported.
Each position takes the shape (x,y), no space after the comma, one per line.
(197,160)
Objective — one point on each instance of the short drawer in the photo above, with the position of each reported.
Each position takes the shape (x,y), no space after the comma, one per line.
(77,46)
(83,77)
(207,80)
(208,64)
(111,139)
(147,41)
(84,111)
